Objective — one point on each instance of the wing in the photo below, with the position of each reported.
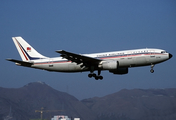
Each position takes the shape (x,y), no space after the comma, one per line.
(77,58)
(22,63)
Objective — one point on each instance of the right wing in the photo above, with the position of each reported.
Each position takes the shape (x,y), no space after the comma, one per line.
(77,58)
(21,63)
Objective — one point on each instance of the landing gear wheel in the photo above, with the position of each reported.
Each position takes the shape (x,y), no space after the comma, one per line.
(96,77)
(90,75)
(101,77)
(152,71)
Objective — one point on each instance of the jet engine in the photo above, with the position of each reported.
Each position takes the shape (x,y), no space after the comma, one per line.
(109,65)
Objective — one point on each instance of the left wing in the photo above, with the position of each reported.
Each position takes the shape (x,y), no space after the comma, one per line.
(77,58)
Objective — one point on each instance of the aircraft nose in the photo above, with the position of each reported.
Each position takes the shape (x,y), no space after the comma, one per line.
(170,55)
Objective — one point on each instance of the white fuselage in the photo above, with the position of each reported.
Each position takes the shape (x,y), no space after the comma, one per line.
(127,58)
(116,62)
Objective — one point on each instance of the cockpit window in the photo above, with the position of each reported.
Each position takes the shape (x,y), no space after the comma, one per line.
(163,51)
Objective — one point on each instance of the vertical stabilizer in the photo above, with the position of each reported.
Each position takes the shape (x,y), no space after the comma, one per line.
(26,51)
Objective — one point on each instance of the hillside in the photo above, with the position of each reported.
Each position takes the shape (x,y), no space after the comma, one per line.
(136,104)
(24,101)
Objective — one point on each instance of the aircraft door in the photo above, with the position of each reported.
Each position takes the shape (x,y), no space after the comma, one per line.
(50,63)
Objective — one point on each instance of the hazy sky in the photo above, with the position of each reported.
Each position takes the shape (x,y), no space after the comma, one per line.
(88,26)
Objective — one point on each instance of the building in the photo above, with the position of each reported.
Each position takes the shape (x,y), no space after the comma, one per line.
(62,117)
(76,118)
(9,117)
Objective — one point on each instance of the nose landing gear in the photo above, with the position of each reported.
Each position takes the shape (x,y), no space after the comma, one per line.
(152,71)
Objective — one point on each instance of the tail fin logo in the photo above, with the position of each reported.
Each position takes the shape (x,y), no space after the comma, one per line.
(28,49)
(26,55)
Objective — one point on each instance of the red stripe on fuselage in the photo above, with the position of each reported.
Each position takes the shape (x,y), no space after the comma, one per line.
(103,58)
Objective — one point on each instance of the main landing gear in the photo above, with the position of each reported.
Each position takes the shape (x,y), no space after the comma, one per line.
(152,71)
(96,76)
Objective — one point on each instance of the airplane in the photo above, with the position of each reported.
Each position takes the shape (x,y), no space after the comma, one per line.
(116,62)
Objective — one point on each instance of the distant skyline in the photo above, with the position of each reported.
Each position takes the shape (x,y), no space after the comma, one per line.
(88,27)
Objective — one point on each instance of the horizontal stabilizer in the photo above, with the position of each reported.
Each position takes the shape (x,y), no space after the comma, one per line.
(21,63)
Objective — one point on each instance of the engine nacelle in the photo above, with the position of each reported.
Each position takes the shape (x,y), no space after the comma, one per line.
(119,71)
(109,65)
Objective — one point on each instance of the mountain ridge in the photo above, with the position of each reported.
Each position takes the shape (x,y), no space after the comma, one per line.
(135,104)
(33,96)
